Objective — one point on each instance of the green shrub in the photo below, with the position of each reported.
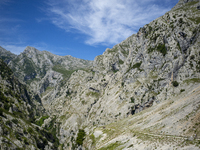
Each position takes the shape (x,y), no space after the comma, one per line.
(114,70)
(26,141)
(132,100)
(24,131)
(30,130)
(175,83)
(66,73)
(182,90)
(137,65)
(92,137)
(150,29)
(175,57)
(150,49)
(1,112)
(80,137)
(121,61)
(45,142)
(192,57)
(41,121)
(161,48)
(51,124)
(3,98)
(15,121)
(17,136)
(9,123)
(6,106)
(180,20)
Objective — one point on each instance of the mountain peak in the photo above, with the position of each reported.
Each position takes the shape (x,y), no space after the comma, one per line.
(30,49)
(183,2)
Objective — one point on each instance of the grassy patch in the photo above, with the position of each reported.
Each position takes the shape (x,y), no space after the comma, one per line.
(113,50)
(93,94)
(41,121)
(124,52)
(194,80)
(160,48)
(112,146)
(66,73)
(191,3)
(49,88)
(30,130)
(64,116)
(137,65)
(92,137)
(196,20)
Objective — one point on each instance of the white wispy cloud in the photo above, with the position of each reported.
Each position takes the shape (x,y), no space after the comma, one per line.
(104,21)
(19,48)
(15,49)
(3,2)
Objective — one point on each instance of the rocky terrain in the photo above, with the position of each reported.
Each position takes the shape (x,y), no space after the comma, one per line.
(19,110)
(144,93)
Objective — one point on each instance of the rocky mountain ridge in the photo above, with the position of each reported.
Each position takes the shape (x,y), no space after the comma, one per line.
(156,67)
(42,69)
(18,113)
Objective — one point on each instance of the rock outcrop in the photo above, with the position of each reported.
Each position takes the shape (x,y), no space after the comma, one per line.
(18,113)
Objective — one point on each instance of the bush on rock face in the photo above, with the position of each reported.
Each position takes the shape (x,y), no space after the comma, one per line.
(175,83)
(80,137)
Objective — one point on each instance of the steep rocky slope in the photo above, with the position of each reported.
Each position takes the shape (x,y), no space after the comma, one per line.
(108,98)
(147,68)
(171,124)
(18,113)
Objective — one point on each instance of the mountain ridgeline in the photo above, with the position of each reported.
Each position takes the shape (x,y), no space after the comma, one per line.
(144,93)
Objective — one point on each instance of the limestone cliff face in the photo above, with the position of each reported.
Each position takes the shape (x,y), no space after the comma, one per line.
(147,69)
(18,113)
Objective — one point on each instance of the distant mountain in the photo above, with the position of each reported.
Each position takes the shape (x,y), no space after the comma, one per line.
(7,56)
(42,69)
(144,93)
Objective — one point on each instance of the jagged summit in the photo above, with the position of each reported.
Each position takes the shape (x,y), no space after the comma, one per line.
(30,49)
(181,3)
(7,56)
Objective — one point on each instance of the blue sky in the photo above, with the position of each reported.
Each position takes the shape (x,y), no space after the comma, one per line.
(81,28)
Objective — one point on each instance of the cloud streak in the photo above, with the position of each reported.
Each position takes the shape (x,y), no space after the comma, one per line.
(14,48)
(104,22)
(3,2)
